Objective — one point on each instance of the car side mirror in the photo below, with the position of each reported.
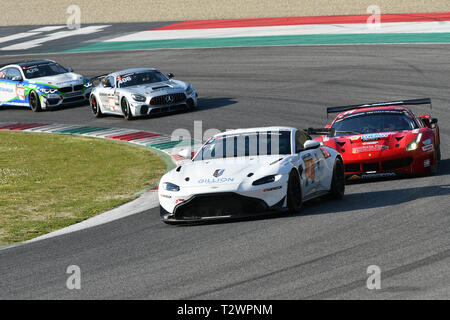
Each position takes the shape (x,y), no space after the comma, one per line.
(185,153)
(170,75)
(328,126)
(17,78)
(311,144)
(433,121)
(70,69)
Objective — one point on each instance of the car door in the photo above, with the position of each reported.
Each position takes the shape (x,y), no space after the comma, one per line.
(16,76)
(12,91)
(311,162)
(107,95)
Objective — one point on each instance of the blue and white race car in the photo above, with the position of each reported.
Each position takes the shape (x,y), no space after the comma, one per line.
(41,84)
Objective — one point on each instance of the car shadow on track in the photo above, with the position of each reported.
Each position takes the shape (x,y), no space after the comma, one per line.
(51,109)
(203,104)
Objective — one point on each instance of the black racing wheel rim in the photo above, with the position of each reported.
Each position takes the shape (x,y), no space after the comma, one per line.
(125,109)
(33,101)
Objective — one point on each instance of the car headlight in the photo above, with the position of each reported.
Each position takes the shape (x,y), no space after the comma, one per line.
(88,84)
(267,179)
(189,90)
(170,186)
(138,98)
(47,91)
(414,144)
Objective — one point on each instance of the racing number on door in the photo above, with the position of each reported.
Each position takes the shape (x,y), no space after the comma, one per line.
(112,103)
(309,169)
(20,92)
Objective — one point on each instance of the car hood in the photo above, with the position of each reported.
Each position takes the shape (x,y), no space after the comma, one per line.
(60,80)
(158,88)
(225,171)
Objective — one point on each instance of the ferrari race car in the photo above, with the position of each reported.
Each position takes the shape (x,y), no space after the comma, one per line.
(140,92)
(384,139)
(41,84)
(248,172)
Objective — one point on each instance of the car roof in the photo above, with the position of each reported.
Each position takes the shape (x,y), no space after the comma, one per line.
(27,63)
(250,130)
(133,70)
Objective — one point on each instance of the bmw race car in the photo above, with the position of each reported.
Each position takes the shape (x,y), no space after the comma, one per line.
(384,139)
(41,84)
(141,92)
(248,172)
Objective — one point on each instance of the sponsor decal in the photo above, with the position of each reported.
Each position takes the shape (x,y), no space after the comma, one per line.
(309,169)
(427,147)
(370,148)
(215,180)
(378,175)
(272,189)
(218,172)
(325,152)
(375,136)
(123,79)
(112,103)
(427,163)
(20,92)
(426,142)
(165,196)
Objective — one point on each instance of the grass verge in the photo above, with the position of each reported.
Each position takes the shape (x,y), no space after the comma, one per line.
(48,182)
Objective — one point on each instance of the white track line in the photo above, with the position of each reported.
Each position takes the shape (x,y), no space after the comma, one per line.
(55,36)
(351,28)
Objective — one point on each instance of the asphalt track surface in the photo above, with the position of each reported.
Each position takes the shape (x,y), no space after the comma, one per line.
(322,252)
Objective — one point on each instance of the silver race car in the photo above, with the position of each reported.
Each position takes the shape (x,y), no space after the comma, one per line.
(141,92)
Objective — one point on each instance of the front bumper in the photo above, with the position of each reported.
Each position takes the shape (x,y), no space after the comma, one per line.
(217,206)
(400,164)
(56,100)
(158,105)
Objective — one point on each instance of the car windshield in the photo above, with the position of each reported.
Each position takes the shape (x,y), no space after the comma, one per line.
(135,79)
(246,144)
(43,70)
(373,122)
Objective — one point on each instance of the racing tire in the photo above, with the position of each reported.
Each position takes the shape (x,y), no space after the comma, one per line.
(437,159)
(294,193)
(126,109)
(95,107)
(337,188)
(190,105)
(35,102)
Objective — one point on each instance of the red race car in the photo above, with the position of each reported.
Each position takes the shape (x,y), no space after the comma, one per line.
(383,139)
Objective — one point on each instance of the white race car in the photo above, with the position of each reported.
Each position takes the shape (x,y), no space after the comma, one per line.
(247,172)
(141,92)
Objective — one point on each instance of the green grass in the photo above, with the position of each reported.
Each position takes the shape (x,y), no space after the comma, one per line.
(51,181)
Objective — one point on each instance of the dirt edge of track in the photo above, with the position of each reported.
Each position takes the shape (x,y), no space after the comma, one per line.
(108,11)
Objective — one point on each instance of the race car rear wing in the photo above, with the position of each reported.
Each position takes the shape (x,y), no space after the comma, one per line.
(320,131)
(381,104)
